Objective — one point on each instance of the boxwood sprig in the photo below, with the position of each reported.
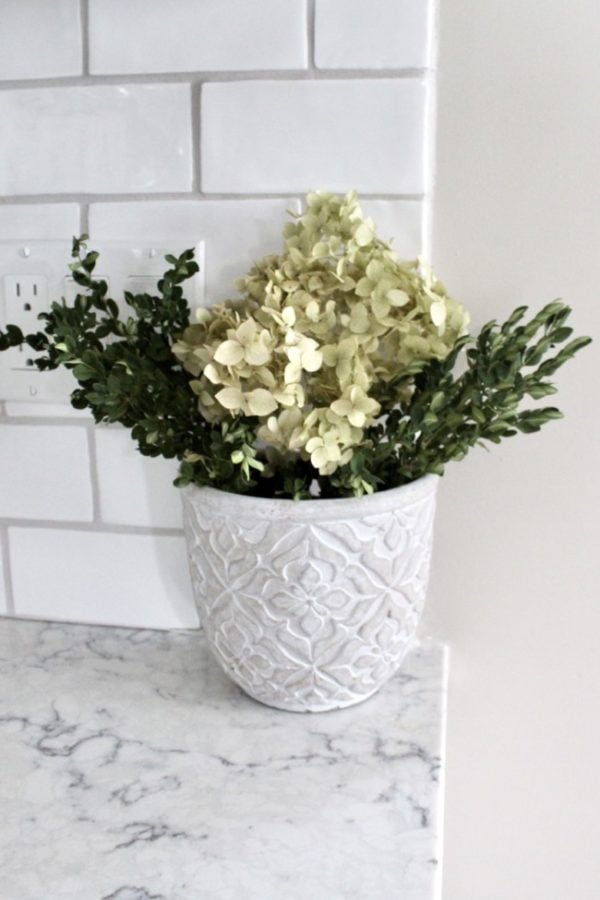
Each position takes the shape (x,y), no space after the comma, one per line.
(446,414)
(125,369)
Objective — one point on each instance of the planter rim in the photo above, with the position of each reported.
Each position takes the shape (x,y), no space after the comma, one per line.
(229,503)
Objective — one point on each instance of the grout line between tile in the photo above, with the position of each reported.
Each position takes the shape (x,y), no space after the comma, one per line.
(93,470)
(19,421)
(85,36)
(5,557)
(186,197)
(94,527)
(196,110)
(84,218)
(311,33)
(124,78)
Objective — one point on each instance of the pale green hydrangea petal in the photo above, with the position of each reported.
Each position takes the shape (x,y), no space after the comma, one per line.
(261,402)
(319,329)
(229,353)
(230,398)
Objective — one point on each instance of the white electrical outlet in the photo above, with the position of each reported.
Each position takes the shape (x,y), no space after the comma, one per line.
(35,273)
(24,293)
(25,296)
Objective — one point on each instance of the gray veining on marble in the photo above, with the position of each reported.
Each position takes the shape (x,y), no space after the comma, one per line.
(133,769)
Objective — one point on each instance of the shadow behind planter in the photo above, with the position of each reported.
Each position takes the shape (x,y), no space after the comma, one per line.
(311,605)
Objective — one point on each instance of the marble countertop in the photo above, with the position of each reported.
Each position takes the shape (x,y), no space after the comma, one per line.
(133,769)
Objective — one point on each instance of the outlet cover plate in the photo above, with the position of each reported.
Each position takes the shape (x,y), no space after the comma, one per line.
(34,273)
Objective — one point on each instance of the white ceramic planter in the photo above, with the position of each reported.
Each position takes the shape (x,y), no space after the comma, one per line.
(310,605)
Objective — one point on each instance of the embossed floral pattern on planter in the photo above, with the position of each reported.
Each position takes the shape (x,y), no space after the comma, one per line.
(310,605)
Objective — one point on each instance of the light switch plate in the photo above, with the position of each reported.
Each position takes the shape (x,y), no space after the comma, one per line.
(35,273)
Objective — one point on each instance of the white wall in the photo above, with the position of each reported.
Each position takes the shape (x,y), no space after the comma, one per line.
(516,582)
(179,121)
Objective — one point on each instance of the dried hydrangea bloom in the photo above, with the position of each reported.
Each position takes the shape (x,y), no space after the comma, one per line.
(318,333)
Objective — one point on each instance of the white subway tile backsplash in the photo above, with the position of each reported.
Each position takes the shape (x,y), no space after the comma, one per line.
(36,221)
(45,473)
(134,580)
(109,138)
(40,39)
(264,137)
(401,221)
(210,35)
(235,232)
(380,34)
(257,136)
(44,410)
(135,490)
